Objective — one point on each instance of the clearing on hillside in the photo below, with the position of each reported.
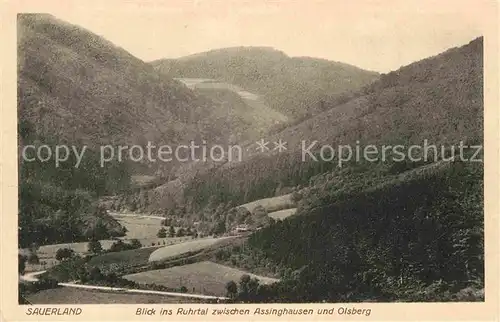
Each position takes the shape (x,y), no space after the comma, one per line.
(183,248)
(145,228)
(282,214)
(206,277)
(271,204)
(139,226)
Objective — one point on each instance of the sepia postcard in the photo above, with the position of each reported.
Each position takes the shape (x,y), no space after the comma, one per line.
(198,160)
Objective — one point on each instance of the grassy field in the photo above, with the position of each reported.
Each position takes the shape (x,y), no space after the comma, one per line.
(139,227)
(135,256)
(203,277)
(68,295)
(282,214)
(143,181)
(183,248)
(128,257)
(271,204)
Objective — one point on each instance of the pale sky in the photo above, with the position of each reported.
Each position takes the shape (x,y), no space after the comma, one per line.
(375,35)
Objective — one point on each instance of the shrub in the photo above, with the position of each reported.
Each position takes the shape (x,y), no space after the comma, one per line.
(180,232)
(231,289)
(64,253)
(21,263)
(162,233)
(296,196)
(95,274)
(33,259)
(95,247)
(135,243)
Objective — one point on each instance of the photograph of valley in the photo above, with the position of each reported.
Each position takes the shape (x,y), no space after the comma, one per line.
(321,161)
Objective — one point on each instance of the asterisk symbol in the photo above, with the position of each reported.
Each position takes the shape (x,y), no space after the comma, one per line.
(280,146)
(262,145)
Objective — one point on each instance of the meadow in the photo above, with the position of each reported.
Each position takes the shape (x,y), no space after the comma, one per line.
(131,257)
(139,227)
(282,214)
(202,278)
(195,245)
(271,204)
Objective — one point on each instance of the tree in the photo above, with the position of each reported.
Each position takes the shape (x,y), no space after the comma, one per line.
(95,274)
(135,243)
(82,274)
(171,231)
(33,259)
(64,253)
(34,247)
(219,228)
(260,216)
(241,215)
(95,246)
(167,221)
(111,278)
(296,196)
(231,289)
(244,287)
(250,221)
(117,246)
(162,233)
(253,286)
(180,232)
(21,263)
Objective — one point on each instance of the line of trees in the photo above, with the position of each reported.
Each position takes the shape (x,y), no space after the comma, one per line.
(181,232)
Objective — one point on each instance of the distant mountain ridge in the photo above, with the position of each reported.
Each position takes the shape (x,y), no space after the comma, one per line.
(295,86)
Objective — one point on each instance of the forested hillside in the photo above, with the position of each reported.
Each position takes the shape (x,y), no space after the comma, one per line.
(78,89)
(438,99)
(417,239)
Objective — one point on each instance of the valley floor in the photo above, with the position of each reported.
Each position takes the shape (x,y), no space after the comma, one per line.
(203,280)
